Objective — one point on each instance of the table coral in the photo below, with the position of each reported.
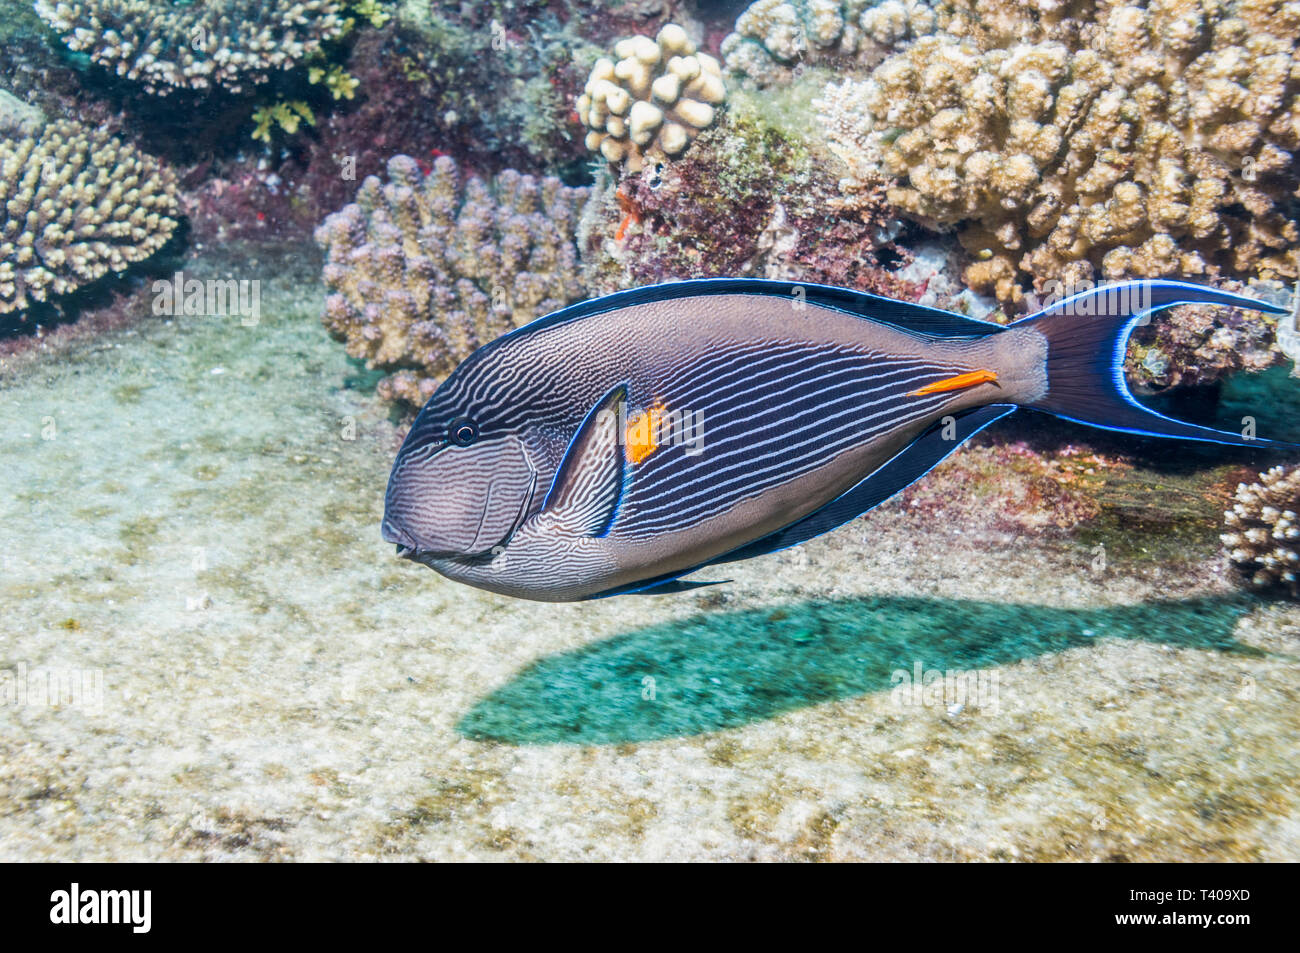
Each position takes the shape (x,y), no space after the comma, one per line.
(1263,538)
(75,204)
(164,46)
(650,103)
(423,270)
(1158,142)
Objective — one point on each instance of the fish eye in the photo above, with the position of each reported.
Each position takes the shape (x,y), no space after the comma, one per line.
(462,432)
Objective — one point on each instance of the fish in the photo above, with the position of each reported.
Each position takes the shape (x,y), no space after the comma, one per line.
(622,443)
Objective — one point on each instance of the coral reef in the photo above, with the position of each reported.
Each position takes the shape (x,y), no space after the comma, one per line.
(488,85)
(747,199)
(653,101)
(1263,538)
(75,204)
(1159,141)
(1008,486)
(228,43)
(774,37)
(422,271)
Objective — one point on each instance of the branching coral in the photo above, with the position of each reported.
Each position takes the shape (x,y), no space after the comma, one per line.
(1164,146)
(653,101)
(75,204)
(773,37)
(991,24)
(1263,538)
(422,271)
(227,43)
(287,116)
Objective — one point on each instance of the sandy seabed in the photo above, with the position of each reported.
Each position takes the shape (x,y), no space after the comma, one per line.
(190,519)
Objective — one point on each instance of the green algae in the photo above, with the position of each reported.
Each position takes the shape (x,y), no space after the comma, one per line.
(1159,518)
(784,108)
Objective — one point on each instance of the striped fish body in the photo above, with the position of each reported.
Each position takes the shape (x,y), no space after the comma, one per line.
(618,448)
(788,405)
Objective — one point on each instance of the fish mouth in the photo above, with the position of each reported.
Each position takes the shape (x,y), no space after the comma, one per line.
(407,548)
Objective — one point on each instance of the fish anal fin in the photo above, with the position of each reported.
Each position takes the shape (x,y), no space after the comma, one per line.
(587,488)
(660,585)
(675,586)
(903,469)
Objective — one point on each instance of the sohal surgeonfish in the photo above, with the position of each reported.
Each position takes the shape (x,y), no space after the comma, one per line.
(624,442)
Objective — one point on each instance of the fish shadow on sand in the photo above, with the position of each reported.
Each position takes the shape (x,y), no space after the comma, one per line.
(722,670)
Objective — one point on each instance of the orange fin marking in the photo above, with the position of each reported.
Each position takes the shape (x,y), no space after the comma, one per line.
(959,382)
(642,436)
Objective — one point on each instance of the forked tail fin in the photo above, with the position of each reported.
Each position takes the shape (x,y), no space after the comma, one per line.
(1087,338)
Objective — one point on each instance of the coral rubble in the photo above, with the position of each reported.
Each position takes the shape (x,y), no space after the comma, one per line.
(422,270)
(1152,140)
(652,101)
(75,204)
(165,46)
(1263,538)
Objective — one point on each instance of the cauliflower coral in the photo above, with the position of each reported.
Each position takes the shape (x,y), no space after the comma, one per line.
(1152,140)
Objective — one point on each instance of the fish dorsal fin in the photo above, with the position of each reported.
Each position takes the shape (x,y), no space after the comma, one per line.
(901,314)
(906,467)
(589,483)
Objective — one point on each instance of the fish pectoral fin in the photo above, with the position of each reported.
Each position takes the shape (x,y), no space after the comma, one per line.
(585,494)
(960,382)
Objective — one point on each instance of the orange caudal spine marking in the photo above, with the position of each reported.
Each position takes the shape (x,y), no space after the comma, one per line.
(641,438)
(959,382)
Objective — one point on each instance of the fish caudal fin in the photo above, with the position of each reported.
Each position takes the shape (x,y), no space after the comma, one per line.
(1087,338)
